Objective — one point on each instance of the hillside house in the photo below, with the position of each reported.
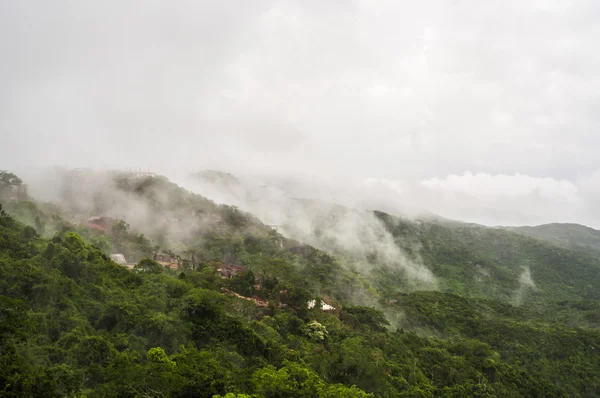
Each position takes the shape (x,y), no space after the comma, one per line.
(100,223)
(160,257)
(229,270)
(324,306)
(173,264)
(118,258)
(166,260)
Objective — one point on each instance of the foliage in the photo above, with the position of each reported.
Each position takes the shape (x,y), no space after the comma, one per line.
(147,265)
(315,331)
(74,323)
(477,261)
(570,236)
(9,179)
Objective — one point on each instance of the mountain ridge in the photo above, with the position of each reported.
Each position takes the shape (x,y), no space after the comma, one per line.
(80,324)
(569,235)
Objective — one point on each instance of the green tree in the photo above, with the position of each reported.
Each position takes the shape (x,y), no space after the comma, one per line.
(3,214)
(9,179)
(315,331)
(148,266)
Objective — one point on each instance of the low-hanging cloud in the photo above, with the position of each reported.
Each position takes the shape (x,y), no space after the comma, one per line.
(314,214)
(497,199)
(526,284)
(173,217)
(362,89)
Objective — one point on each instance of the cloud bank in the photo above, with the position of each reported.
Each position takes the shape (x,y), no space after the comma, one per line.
(419,94)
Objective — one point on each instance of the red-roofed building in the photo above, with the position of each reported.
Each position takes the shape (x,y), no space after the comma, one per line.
(100,223)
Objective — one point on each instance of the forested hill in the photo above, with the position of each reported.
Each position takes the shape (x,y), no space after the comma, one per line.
(74,323)
(150,214)
(374,255)
(571,236)
(478,261)
(467,259)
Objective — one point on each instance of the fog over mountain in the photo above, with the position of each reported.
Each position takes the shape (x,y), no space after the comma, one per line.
(480,111)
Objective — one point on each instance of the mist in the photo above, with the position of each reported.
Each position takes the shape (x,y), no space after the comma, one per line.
(170,215)
(526,285)
(483,112)
(175,217)
(332,218)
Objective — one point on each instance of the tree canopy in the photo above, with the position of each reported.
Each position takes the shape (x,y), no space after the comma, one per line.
(74,323)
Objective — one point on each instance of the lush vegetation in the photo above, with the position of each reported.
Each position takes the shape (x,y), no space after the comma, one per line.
(74,323)
(571,236)
(477,261)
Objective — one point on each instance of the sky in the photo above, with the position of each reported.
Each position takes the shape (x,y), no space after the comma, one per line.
(485,111)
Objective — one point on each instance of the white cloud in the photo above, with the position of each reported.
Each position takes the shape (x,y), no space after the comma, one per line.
(493,199)
(506,89)
(485,186)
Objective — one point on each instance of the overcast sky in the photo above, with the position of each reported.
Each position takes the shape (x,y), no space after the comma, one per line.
(486,111)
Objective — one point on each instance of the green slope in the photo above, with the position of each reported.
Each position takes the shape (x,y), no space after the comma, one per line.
(466,259)
(76,324)
(477,261)
(571,236)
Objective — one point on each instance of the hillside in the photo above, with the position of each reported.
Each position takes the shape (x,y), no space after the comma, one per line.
(381,253)
(399,254)
(487,262)
(571,236)
(416,308)
(152,214)
(76,323)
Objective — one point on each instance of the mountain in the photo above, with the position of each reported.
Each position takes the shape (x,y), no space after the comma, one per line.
(400,254)
(571,236)
(152,214)
(414,307)
(487,262)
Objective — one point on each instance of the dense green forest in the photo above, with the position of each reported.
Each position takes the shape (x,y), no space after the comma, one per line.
(478,261)
(513,316)
(571,236)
